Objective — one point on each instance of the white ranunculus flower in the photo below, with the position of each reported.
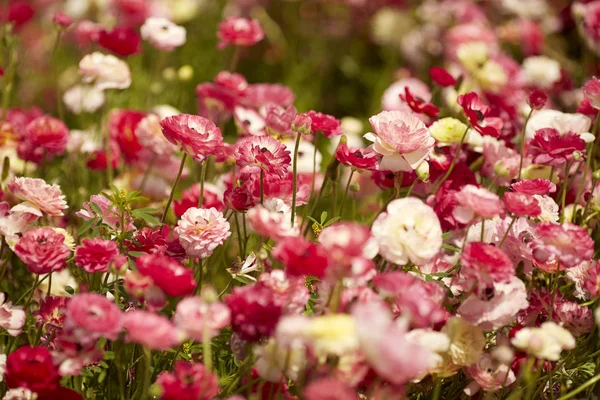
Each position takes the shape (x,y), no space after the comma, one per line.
(562,122)
(549,208)
(83,98)
(105,71)
(545,342)
(163,34)
(541,71)
(408,230)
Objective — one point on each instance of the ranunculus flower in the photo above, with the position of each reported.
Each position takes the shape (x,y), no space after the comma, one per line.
(95,254)
(401,138)
(549,147)
(121,40)
(12,318)
(476,202)
(163,34)
(90,316)
(539,186)
(201,231)
(43,250)
(31,368)
(545,342)
(328,389)
(344,242)
(149,134)
(301,257)
(61,19)
(211,198)
(151,330)
(479,115)
(404,236)
(39,195)
(442,77)
(328,125)
(201,320)
(484,265)
(239,32)
(238,199)
(188,382)
(488,374)
(83,98)
(272,220)
(168,274)
(265,153)
(197,136)
(567,243)
(123,128)
(261,94)
(357,158)
(43,138)
(537,99)
(522,204)
(105,71)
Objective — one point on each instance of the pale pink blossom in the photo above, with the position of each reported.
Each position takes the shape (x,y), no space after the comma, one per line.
(573,317)
(488,375)
(272,220)
(289,291)
(151,330)
(90,316)
(37,193)
(346,241)
(12,318)
(476,202)
(201,320)
(201,231)
(149,134)
(162,33)
(105,71)
(567,243)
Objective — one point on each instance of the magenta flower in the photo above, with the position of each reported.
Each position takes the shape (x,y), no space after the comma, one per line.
(37,193)
(43,137)
(188,381)
(197,136)
(194,316)
(568,243)
(522,204)
(43,250)
(168,274)
(265,153)
(151,330)
(94,255)
(261,94)
(201,231)
(484,265)
(328,125)
(357,158)
(538,186)
(239,32)
(549,147)
(90,316)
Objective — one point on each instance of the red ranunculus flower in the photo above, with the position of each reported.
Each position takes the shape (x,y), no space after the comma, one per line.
(301,257)
(171,277)
(123,41)
(32,368)
(549,147)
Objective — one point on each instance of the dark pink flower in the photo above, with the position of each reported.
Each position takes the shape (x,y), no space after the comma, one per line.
(94,255)
(279,120)
(171,277)
(261,94)
(301,257)
(188,382)
(191,196)
(43,250)
(197,136)
(479,115)
(567,243)
(537,99)
(43,137)
(577,319)
(539,186)
(591,91)
(357,158)
(328,125)
(522,204)
(153,331)
(149,240)
(122,127)
(254,311)
(419,105)
(549,147)
(90,316)
(442,77)
(217,100)
(485,265)
(63,20)
(32,368)
(239,32)
(122,40)
(238,199)
(265,153)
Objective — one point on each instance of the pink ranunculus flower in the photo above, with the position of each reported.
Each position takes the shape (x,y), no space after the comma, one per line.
(591,91)
(197,136)
(262,153)
(568,243)
(40,195)
(43,250)
(289,291)
(489,375)
(401,138)
(272,220)
(12,318)
(95,254)
(90,316)
(201,231)
(149,134)
(476,202)
(188,381)
(239,32)
(151,330)
(201,320)
(573,317)
(346,241)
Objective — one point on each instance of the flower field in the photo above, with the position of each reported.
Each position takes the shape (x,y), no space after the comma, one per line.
(299,199)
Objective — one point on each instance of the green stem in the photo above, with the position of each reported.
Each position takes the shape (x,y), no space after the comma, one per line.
(147,173)
(235,59)
(206,347)
(563,193)
(164,216)
(523,143)
(447,174)
(202,179)
(346,191)
(581,388)
(507,231)
(295,177)
(147,362)
(239,234)
(262,189)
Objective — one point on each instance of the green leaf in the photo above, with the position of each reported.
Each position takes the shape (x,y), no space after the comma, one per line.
(243,279)
(139,214)
(331,221)
(136,253)
(451,248)
(96,208)
(146,210)
(323,217)
(87,225)
(69,290)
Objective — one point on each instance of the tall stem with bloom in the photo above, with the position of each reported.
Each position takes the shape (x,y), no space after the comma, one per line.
(164,216)
(295,176)
(346,191)
(453,163)
(523,142)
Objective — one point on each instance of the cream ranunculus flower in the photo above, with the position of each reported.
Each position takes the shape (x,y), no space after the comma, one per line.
(466,341)
(448,130)
(545,342)
(332,334)
(105,71)
(408,230)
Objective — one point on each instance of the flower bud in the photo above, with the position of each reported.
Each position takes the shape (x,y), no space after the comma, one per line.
(62,20)
(423,171)
(302,124)
(596,174)
(537,99)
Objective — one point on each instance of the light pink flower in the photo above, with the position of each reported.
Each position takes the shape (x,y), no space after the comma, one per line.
(575,318)
(90,316)
(568,243)
(149,134)
(272,220)
(39,194)
(476,202)
(517,244)
(262,153)
(489,375)
(239,32)
(201,320)
(288,291)
(43,250)
(201,231)
(12,318)
(197,136)
(261,94)
(500,310)
(346,241)
(162,33)
(501,162)
(329,388)
(15,222)
(151,330)
(401,138)
(591,91)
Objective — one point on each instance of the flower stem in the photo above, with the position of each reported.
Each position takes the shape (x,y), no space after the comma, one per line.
(295,177)
(447,174)
(147,362)
(523,143)
(581,388)
(346,191)
(202,179)
(164,216)
(262,189)
(239,234)
(147,173)
(206,347)
(507,231)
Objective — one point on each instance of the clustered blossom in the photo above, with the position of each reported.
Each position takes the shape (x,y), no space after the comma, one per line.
(201,231)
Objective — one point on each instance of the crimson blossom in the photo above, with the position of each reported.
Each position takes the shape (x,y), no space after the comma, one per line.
(32,368)
(549,147)
(197,136)
(95,254)
(357,158)
(43,250)
(122,41)
(239,32)
(188,381)
(171,277)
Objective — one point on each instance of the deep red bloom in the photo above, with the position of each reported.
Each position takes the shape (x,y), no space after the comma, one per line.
(43,250)
(522,204)
(62,19)
(43,137)
(31,368)
(484,264)
(239,32)
(191,196)
(121,40)
(97,160)
(149,240)
(357,158)
(52,311)
(384,179)
(94,255)
(537,99)
(549,147)
(301,257)
(539,186)
(238,199)
(254,311)
(171,277)
(442,77)
(478,115)
(19,13)
(419,105)
(188,382)
(328,125)
(122,126)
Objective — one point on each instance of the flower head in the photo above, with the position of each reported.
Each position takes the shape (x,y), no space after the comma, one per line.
(328,125)
(168,274)
(163,34)
(40,195)
(239,32)
(545,342)
(151,330)
(357,158)
(201,231)
(32,368)
(121,40)
(188,381)
(43,250)
(301,257)
(476,202)
(485,265)
(265,153)
(90,316)
(549,147)
(197,136)
(522,204)
(539,186)
(43,137)
(105,71)
(201,320)
(567,243)
(95,254)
